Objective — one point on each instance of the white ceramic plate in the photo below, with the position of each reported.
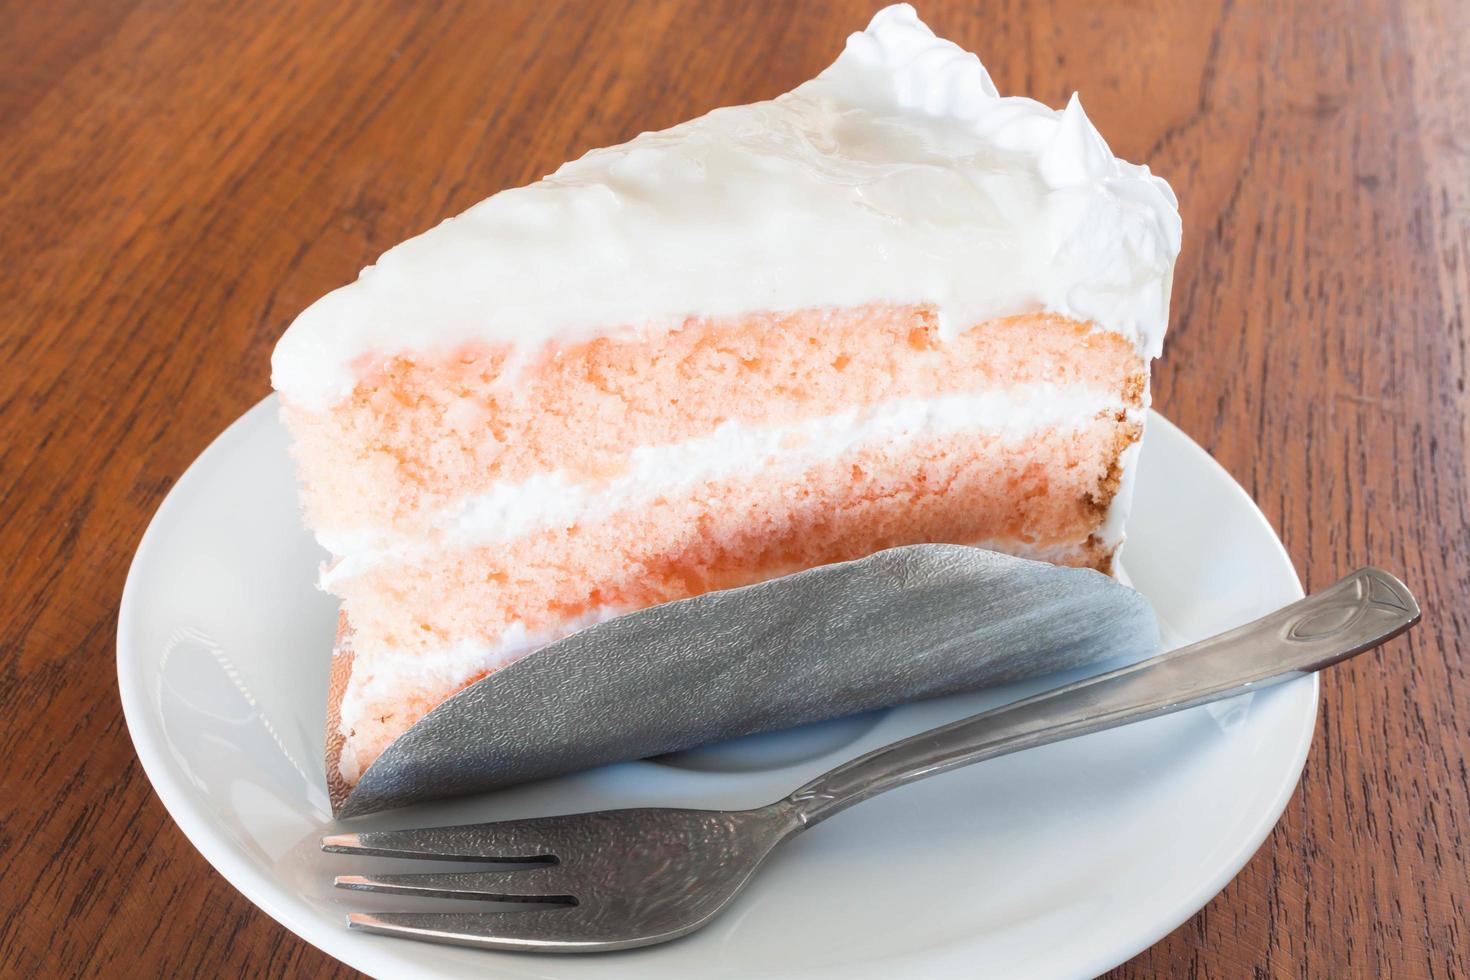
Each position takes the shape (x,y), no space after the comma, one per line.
(1059,862)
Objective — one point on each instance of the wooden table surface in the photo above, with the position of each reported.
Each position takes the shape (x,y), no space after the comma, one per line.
(178,180)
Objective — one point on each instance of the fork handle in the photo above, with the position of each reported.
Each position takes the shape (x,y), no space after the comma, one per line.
(1358,613)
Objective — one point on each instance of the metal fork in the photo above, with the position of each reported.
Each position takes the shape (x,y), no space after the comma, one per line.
(616,879)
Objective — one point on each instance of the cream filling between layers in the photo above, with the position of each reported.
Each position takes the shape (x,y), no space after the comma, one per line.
(511,509)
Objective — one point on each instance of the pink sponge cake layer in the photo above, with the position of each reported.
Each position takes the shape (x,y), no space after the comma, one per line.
(889,307)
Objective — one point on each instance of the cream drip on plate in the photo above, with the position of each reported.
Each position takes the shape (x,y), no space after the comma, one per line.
(898,175)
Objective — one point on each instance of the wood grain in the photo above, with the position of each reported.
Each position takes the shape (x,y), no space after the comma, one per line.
(178,180)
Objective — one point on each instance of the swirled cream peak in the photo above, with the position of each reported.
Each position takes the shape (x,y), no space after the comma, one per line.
(898,175)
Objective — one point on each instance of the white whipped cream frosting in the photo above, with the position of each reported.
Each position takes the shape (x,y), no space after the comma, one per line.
(898,175)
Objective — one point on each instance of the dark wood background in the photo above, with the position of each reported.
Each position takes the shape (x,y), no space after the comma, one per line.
(177,180)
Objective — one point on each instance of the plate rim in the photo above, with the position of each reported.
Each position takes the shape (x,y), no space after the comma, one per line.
(259,889)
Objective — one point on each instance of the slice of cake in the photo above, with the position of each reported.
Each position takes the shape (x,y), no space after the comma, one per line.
(886,308)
